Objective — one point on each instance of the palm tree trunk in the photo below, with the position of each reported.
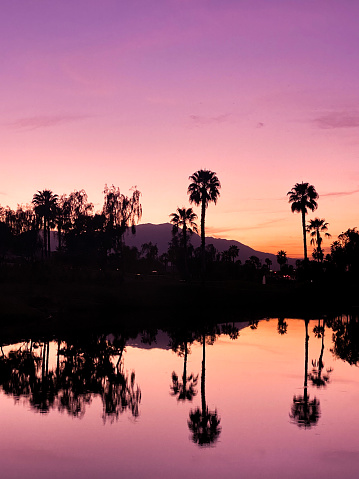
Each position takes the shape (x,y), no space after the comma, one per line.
(48,239)
(184,232)
(203,377)
(45,237)
(203,234)
(304,236)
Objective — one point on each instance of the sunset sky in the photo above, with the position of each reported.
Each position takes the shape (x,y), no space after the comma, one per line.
(263,92)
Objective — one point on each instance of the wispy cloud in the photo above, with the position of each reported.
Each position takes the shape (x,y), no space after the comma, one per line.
(340,193)
(216,231)
(338,119)
(35,122)
(209,120)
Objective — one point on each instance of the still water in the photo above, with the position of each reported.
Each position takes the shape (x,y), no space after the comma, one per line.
(273,399)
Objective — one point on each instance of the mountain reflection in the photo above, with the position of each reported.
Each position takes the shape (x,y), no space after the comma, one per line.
(305,412)
(84,369)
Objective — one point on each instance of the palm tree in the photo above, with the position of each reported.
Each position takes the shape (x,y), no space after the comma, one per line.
(184,218)
(233,252)
(315,227)
(204,189)
(45,203)
(302,197)
(268,263)
(281,258)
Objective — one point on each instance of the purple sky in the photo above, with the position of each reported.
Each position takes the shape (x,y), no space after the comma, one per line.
(144,93)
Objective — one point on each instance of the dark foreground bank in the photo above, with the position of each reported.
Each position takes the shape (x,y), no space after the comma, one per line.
(83,300)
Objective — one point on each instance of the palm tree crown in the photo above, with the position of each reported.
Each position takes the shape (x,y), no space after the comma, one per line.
(184,218)
(204,188)
(303,197)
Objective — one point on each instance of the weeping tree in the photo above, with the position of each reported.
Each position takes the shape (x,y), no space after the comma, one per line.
(121,212)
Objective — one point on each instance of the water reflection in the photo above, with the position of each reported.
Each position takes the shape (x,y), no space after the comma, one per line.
(84,369)
(305,412)
(91,378)
(203,423)
(184,390)
(346,338)
(317,377)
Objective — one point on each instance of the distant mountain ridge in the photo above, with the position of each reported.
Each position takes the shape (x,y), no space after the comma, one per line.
(162,234)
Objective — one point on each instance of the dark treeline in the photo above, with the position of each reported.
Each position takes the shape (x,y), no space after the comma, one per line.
(87,238)
(83,237)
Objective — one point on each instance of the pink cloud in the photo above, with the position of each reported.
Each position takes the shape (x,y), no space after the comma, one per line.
(338,119)
(209,120)
(340,193)
(34,122)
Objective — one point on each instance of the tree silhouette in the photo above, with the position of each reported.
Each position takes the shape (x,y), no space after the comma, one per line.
(203,189)
(282,326)
(184,219)
(315,227)
(282,258)
(203,423)
(121,212)
(184,390)
(346,338)
(303,197)
(45,203)
(233,252)
(268,262)
(316,376)
(305,412)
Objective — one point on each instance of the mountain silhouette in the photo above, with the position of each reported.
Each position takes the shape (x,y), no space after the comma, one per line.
(161,235)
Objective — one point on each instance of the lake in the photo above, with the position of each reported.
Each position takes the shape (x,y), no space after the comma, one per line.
(274,398)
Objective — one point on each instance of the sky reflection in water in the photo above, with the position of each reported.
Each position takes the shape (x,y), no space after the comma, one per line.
(255,428)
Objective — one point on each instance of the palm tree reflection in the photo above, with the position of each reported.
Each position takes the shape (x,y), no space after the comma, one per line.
(203,423)
(317,377)
(184,390)
(305,412)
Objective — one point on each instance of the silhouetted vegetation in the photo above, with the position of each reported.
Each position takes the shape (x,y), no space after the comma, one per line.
(303,197)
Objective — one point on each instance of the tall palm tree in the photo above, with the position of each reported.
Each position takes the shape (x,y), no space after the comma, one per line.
(303,197)
(45,203)
(203,189)
(184,218)
(315,227)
